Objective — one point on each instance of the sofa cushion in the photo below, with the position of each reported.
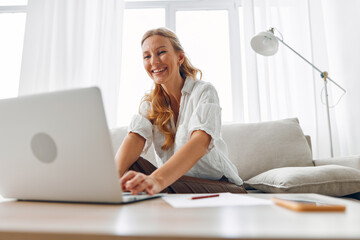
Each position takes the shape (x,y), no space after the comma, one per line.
(258,147)
(332,180)
(117,137)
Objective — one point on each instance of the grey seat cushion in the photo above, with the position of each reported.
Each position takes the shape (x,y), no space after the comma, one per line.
(332,180)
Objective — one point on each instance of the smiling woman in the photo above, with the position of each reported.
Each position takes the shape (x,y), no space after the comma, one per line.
(182,118)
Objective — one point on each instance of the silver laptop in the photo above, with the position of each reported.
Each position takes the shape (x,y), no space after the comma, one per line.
(56,147)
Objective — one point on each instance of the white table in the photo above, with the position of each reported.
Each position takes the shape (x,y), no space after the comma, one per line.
(155,219)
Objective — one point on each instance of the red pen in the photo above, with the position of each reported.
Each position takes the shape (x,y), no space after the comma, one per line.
(205,196)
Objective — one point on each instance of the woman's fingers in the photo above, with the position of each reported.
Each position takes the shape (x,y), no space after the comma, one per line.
(137,186)
(151,190)
(142,186)
(127,176)
(136,182)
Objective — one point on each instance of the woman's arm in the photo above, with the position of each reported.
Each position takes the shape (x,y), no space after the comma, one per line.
(129,152)
(181,162)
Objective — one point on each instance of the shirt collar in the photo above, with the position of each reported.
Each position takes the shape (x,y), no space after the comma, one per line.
(188,85)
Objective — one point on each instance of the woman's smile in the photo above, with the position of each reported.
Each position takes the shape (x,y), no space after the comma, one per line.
(159,71)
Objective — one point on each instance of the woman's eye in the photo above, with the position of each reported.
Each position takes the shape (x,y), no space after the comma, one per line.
(162,52)
(146,57)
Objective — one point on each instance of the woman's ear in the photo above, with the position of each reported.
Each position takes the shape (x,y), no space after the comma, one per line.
(181,58)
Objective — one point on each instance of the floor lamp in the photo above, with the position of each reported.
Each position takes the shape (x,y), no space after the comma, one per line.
(267,44)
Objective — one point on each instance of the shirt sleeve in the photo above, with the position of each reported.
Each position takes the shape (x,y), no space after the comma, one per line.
(141,125)
(207,115)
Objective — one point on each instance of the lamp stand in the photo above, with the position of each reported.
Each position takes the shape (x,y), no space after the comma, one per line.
(324,75)
(326,78)
(270,47)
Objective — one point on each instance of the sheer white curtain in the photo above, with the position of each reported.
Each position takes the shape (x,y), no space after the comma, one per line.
(342,29)
(281,86)
(71,44)
(284,85)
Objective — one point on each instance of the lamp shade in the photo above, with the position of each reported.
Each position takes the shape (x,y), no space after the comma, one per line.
(265,43)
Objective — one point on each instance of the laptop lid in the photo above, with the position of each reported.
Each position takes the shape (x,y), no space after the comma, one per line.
(56,146)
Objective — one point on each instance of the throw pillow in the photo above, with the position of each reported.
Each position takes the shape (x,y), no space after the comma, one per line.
(258,147)
(332,180)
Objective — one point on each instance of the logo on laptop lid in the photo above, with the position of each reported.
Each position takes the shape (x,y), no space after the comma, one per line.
(43,147)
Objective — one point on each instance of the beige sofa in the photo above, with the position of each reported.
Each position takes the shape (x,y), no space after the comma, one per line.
(276,157)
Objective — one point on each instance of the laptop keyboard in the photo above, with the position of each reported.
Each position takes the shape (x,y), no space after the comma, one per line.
(127,197)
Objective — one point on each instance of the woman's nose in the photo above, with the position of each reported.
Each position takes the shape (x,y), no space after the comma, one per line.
(155,59)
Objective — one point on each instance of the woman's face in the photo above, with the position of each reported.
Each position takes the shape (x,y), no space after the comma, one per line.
(161,61)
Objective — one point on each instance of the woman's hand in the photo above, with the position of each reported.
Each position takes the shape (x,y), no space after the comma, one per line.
(137,182)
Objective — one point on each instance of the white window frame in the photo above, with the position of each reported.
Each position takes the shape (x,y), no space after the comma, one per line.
(232,6)
(171,7)
(13,9)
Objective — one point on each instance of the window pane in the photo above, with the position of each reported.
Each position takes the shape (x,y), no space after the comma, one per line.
(134,80)
(13,2)
(12,28)
(205,38)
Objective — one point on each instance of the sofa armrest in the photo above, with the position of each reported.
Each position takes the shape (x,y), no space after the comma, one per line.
(351,161)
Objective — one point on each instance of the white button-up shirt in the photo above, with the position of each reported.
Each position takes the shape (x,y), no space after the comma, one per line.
(199,110)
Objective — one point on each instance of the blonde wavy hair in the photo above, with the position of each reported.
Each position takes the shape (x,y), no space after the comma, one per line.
(161,112)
